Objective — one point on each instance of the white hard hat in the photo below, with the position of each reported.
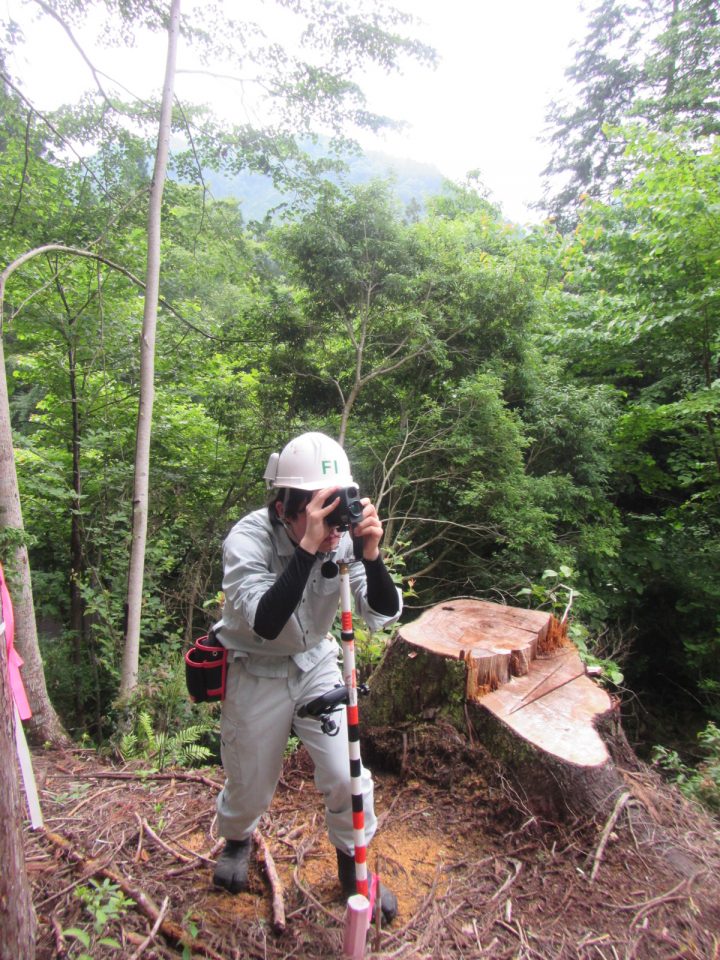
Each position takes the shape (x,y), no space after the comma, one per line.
(309,462)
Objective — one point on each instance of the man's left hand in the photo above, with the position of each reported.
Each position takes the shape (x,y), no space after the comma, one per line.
(370,529)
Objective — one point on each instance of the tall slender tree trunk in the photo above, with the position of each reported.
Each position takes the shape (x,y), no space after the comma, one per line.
(77,614)
(45,724)
(17,917)
(131,652)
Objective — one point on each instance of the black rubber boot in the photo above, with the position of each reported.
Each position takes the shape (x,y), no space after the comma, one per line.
(231,869)
(384,897)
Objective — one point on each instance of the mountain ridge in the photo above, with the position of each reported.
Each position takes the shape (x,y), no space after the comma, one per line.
(411,180)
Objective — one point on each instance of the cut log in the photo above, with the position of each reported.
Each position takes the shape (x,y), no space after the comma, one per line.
(554,707)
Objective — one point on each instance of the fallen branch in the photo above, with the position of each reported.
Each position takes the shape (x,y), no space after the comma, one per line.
(314,900)
(60,945)
(429,899)
(144,825)
(149,775)
(648,905)
(278,904)
(172,931)
(607,830)
(510,880)
(153,933)
(200,860)
(89,799)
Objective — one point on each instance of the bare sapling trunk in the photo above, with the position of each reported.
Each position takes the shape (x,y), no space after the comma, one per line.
(131,652)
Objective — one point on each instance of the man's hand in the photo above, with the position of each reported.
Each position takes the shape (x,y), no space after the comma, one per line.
(370,529)
(316,529)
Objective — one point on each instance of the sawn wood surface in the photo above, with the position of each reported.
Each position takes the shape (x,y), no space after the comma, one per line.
(545,697)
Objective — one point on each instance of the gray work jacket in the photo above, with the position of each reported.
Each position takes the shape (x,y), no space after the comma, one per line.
(255,553)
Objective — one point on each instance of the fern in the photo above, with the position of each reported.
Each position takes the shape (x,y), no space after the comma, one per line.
(159,749)
(145,728)
(128,746)
(194,753)
(164,728)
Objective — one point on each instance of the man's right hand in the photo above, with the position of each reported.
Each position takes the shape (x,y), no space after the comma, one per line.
(316,530)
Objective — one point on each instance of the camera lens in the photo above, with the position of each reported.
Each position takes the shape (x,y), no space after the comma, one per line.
(355,509)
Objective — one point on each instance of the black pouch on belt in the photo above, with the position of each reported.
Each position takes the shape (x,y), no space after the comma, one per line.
(206,669)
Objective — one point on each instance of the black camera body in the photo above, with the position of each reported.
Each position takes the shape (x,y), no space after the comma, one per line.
(348,512)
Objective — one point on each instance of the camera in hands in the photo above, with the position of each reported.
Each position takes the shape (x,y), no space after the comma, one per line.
(348,512)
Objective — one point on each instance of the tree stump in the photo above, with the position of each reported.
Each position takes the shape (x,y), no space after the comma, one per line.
(510,679)
(477,683)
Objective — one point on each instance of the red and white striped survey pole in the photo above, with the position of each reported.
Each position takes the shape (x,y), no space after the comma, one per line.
(357,919)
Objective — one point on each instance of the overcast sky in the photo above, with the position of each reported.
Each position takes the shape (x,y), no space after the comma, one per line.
(482,108)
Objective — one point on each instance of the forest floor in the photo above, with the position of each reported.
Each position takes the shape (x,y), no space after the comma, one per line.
(475,875)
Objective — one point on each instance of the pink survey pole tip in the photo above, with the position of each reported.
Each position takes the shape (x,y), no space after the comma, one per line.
(357,923)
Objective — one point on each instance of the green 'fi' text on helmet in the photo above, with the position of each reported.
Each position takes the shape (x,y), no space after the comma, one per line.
(309,462)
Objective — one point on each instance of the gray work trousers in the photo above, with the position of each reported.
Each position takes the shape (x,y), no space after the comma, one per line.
(257,716)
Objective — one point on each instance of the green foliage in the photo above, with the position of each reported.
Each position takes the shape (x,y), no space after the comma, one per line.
(370,648)
(105,902)
(532,414)
(702,782)
(655,61)
(641,313)
(192,928)
(160,725)
(552,592)
(160,749)
(555,592)
(591,655)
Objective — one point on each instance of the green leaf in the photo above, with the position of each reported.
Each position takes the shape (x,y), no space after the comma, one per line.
(82,935)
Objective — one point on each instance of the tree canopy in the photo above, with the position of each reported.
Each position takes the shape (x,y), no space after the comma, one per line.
(534,411)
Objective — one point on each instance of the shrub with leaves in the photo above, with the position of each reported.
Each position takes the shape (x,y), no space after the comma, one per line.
(160,724)
(556,593)
(700,783)
(105,902)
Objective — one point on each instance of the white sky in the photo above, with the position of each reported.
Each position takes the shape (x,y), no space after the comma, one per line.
(482,108)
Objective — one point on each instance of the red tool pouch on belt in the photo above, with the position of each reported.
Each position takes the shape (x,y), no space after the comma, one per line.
(206,669)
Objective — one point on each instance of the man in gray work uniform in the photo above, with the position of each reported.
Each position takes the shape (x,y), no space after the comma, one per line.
(281,589)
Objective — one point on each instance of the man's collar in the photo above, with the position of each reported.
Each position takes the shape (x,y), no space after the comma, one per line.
(284,544)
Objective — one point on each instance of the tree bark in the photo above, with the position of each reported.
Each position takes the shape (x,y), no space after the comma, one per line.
(131,652)
(45,724)
(480,686)
(17,917)
(507,678)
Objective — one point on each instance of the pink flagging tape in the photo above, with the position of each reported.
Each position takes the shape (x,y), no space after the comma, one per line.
(14,659)
(21,707)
